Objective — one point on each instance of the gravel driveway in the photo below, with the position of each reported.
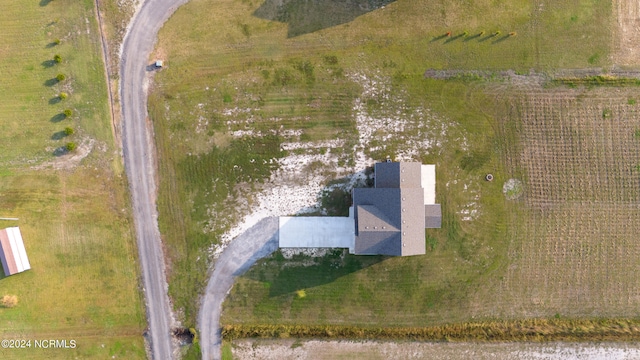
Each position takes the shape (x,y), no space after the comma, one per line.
(255,243)
(139,157)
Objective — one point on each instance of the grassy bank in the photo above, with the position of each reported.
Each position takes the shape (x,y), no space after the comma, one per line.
(530,330)
(72,206)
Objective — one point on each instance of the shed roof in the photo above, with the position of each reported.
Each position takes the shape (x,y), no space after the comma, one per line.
(13,255)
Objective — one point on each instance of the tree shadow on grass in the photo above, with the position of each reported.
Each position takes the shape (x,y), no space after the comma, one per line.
(55,100)
(453,38)
(51,44)
(50,82)
(57,118)
(503,38)
(307,16)
(438,38)
(59,151)
(59,135)
(487,37)
(48,63)
(44,2)
(472,37)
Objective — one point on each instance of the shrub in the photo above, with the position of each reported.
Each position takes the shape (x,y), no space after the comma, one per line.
(68,131)
(57,41)
(67,112)
(306,68)
(283,77)
(71,146)
(330,59)
(63,95)
(57,58)
(497,33)
(60,77)
(9,301)
(513,33)
(194,335)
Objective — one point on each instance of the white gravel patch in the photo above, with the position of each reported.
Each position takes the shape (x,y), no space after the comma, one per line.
(315,349)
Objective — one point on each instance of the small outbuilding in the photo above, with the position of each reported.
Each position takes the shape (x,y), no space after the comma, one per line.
(13,255)
(158,64)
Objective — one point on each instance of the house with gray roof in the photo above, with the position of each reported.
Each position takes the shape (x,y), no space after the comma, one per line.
(391,217)
(388,219)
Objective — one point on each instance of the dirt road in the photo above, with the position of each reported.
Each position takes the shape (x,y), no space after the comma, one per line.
(139,160)
(255,243)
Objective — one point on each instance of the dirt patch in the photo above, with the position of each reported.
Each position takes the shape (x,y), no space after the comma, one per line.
(626,51)
(67,160)
(292,349)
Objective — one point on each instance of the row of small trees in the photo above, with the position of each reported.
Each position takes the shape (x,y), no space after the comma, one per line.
(480,34)
(67,113)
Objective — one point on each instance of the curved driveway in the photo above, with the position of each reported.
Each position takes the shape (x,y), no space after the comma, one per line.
(255,243)
(139,158)
(138,151)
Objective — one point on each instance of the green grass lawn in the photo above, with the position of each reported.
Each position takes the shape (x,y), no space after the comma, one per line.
(234,68)
(76,226)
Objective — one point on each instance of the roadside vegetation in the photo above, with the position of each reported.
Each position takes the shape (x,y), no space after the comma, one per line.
(72,207)
(238,98)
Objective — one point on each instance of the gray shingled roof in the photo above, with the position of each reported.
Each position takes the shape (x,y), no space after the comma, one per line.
(390,218)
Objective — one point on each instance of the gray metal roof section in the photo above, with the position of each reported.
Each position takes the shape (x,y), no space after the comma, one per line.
(398,175)
(432,216)
(378,243)
(396,201)
(370,218)
(413,239)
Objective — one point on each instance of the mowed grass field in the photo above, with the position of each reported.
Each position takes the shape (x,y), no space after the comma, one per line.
(245,77)
(73,214)
(579,151)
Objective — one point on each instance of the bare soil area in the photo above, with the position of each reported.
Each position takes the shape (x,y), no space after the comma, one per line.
(627,37)
(291,349)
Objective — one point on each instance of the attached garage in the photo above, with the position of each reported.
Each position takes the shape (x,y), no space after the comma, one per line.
(316,232)
(13,255)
